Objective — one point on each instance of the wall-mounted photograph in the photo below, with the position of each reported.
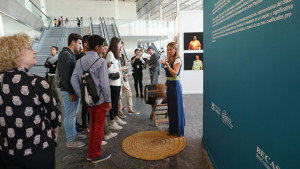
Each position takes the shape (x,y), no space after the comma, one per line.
(193,61)
(193,41)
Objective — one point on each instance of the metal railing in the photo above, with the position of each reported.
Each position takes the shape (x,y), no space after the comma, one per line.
(91,26)
(30,6)
(117,34)
(105,30)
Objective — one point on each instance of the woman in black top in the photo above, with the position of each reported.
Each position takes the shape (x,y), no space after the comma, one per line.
(29,117)
(51,63)
(137,65)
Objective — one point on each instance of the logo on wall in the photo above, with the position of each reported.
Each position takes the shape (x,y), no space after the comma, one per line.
(265,159)
(225,118)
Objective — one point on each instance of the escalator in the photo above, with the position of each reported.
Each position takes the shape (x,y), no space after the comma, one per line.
(155,49)
(110,30)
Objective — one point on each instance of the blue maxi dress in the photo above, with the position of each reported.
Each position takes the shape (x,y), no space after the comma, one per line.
(175,104)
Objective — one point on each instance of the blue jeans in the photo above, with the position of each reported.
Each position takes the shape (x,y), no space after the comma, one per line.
(71,109)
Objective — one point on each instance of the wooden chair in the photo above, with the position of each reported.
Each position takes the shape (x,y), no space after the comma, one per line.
(159,108)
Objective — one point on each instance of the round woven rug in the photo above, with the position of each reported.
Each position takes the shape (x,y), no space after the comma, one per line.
(153,145)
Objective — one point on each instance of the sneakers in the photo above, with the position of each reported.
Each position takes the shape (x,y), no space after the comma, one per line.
(115,126)
(110,135)
(75,143)
(88,158)
(133,112)
(120,122)
(122,115)
(81,135)
(103,143)
(103,157)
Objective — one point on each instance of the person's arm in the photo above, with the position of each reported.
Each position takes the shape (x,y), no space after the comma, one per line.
(114,67)
(104,82)
(65,72)
(174,71)
(47,64)
(75,80)
(133,60)
(51,112)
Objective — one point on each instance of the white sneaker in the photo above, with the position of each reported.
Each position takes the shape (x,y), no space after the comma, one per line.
(103,143)
(115,126)
(120,122)
(109,136)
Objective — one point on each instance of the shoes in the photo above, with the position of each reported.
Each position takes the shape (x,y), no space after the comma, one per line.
(142,96)
(122,115)
(81,136)
(115,126)
(75,143)
(137,95)
(88,158)
(101,158)
(133,112)
(120,122)
(79,127)
(110,135)
(123,108)
(103,143)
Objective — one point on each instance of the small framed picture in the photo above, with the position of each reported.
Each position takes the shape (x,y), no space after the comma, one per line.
(193,41)
(193,61)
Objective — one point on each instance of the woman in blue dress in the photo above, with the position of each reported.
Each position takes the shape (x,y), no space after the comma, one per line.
(174,91)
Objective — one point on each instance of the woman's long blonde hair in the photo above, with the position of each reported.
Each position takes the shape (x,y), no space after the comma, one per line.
(171,59)
(12,49)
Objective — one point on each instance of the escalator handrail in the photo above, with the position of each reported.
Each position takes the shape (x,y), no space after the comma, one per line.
(101,28)
(115,29)
(106,32)
(152,44)
(92,30)
(38,41)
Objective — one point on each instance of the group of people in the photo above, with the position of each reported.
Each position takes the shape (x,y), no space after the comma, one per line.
(28,139)
(60,22)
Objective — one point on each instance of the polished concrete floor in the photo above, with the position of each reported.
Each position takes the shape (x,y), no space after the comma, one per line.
(193,156)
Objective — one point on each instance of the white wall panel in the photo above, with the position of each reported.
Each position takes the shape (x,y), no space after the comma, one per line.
(76,8)
(191,80)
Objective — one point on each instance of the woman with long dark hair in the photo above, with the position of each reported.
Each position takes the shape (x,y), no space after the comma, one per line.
(113,57)
(174,91)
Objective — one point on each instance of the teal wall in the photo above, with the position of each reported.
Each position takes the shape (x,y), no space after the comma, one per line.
(252,87)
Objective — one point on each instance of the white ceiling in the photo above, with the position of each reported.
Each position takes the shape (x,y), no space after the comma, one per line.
(144,7)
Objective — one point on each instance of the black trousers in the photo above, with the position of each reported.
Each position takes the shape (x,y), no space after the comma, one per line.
(114,93)
(44,159)
(138,81)
(85,116)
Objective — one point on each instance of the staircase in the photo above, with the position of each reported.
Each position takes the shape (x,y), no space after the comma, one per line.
(96,30)
(55,36)
(110,31)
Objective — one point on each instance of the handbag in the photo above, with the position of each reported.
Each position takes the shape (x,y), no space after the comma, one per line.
(114,76)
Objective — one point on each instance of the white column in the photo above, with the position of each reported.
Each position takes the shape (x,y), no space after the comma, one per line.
(160,11)
(177,7)
(116,9)
(43,6)
(1,27)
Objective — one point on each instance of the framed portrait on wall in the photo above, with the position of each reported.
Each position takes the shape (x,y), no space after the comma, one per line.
(193,61)
(193,41)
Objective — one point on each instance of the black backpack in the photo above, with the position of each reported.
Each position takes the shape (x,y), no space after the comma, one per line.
(89,94)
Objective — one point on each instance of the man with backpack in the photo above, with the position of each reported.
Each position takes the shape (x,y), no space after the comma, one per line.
(65,66)
(90,81)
